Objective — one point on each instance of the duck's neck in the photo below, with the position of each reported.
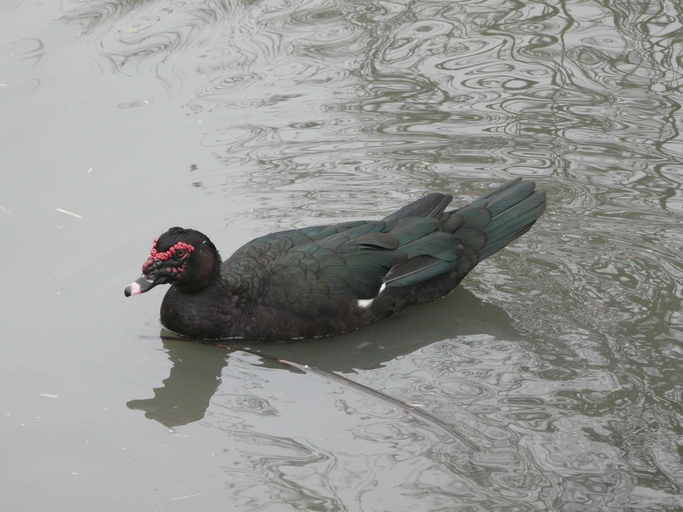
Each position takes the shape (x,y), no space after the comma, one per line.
(204,270)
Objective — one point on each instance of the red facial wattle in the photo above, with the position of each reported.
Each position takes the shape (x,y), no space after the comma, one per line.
(181,250)
(161,267)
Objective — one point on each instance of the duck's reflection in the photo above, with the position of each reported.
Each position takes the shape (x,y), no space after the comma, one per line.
(196,367)
(184,396)
(460,314)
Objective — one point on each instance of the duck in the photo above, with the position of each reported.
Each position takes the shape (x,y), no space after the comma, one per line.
(331,279)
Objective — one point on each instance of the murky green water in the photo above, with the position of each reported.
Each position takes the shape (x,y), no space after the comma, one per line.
(550,381)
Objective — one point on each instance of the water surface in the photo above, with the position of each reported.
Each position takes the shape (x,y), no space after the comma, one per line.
(550,381)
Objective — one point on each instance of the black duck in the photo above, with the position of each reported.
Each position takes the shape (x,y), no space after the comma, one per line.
(332,279)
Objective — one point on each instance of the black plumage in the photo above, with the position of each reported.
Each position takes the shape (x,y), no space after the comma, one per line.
(331,279)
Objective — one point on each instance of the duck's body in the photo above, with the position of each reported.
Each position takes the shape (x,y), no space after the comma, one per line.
(297,284)
(326,280)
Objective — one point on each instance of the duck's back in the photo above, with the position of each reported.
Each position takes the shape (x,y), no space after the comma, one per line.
(250,267)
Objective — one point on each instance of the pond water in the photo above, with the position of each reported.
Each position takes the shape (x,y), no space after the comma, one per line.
(551,380)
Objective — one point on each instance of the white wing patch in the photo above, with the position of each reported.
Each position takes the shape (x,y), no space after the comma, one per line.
(366,303)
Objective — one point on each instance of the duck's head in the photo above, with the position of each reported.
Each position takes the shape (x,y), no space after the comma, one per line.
(183,257)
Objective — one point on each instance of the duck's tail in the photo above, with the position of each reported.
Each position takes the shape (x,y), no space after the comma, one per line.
(438,242)
(491,222)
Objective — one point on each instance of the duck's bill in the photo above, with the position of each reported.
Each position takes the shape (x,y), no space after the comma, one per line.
(140,285)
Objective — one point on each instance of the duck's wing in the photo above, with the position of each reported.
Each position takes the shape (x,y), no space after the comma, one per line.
(322,276)
(247,269)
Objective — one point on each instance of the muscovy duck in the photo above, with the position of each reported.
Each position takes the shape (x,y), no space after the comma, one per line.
(327,280)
